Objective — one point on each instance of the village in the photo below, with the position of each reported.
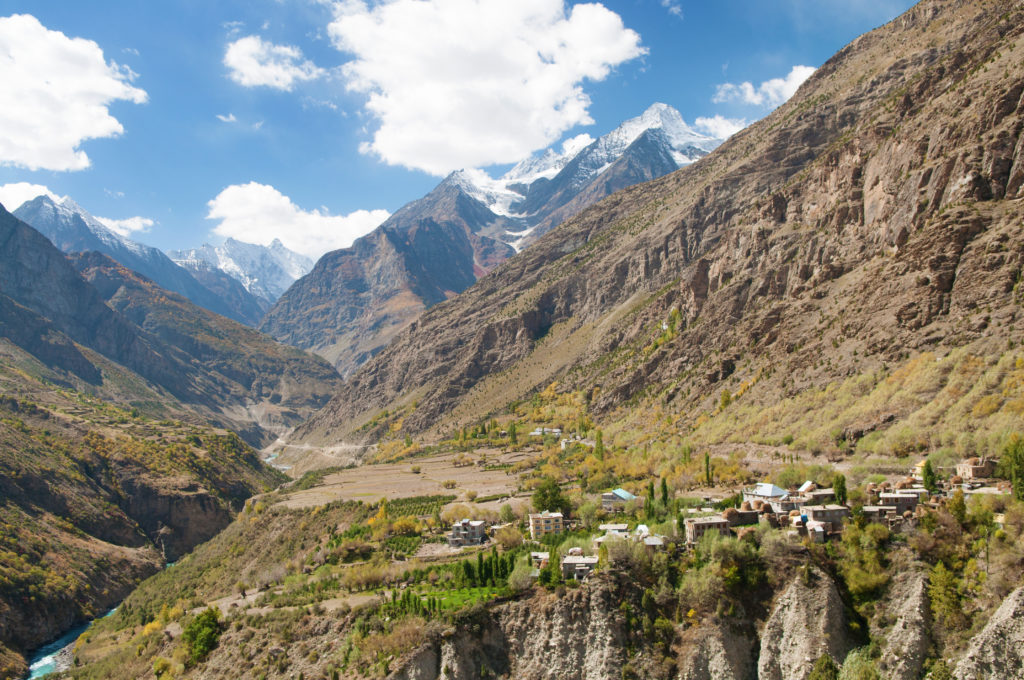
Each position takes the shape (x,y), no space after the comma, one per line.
(806,513)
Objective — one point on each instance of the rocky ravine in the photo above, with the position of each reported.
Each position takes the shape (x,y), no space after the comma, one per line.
(873,215)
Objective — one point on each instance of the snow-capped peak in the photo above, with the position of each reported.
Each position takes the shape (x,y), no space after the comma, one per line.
(265,271)
(681,136)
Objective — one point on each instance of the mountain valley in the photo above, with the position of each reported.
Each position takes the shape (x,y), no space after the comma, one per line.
(656,405)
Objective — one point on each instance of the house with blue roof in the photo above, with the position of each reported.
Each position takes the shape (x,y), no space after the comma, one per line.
(616,500)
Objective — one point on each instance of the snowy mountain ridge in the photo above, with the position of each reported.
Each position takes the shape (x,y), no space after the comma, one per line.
(265,271)
(505,195)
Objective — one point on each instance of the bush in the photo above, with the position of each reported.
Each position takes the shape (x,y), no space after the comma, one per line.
(824,669)
(202,634)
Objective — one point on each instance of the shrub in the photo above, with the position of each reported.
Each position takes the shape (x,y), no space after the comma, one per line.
(824,669)
(202,634)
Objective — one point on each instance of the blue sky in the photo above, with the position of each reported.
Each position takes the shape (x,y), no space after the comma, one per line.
(313,119)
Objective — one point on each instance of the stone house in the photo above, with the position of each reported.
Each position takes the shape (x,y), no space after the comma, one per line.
(976,468)
(698,526)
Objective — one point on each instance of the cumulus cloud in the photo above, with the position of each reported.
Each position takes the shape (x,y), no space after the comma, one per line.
(471,83)
(56,93)
(254,62)
(719,126)
(127,226)
(770,93)
(14,194)
(259,213)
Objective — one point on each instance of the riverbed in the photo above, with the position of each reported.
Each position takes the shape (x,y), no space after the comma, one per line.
(57,655)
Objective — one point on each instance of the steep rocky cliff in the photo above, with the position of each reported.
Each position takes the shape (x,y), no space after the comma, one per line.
(873,216)
(355,299)
(998,650)
(807,621)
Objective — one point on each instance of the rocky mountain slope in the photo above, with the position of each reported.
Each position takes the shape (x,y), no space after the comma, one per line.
(148,345)
(873,217)
(275,385)
(73,230)
(97,498)
(355,299)
(265,271)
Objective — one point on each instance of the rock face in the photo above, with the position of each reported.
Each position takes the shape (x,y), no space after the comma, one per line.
(908,640)
(580,636)
(807,621)
(998,650)
(717,652)
(96,513)
(355,299)
(874,214)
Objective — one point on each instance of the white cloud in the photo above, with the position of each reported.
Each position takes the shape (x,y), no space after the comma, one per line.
(127,226)
(472,83)
(770,93)
(254,62)
(56,93)
(574,145)
(14,194)
(230,118)
(719,126)
(258,213)
(673,7)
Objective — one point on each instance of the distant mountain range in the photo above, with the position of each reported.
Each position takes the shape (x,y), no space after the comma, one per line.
(356,299)
(265,271)
(73,230)
(95,325)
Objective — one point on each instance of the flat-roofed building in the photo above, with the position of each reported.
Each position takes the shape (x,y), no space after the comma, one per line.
(698,526)
(826,513)
(578,567)
(467,532)
(545,523)
(902,500)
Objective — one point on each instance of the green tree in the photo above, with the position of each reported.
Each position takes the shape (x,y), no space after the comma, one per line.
(202,634)
(548,496)
(512,437)
(945,597)
(931,480)
(664,492)
(707,468)
(839,487)
(599,445)
(824,669)
(1012,464)
(958,507)
(507,514)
